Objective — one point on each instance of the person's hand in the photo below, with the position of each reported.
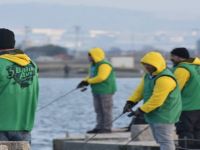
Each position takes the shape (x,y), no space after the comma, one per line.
(128,106)
(138,113)
(82,84)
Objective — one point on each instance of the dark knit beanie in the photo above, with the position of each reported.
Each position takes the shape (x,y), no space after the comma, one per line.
(7,39)
(181,52)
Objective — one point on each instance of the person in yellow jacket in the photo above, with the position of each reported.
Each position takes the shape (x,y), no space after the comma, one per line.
(187,72)
(102,81)
(161,99)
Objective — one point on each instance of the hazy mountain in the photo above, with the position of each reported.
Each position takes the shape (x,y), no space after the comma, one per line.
(58,16)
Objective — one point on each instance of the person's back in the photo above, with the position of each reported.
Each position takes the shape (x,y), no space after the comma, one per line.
(18,94)
(190,91)
(187,71)
(19,90)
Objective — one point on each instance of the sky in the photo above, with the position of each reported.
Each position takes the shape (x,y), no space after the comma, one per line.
(168,6)
(170,9)
(185,12)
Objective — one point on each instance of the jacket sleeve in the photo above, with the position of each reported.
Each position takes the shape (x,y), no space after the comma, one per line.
(182,75)
(103,73)
(138,93)
(163,86)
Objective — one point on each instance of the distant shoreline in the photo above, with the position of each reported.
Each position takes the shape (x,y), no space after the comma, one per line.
(62,74)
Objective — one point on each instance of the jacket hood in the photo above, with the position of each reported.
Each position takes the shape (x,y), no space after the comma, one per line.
(196,61)
(97,54)
(156,60)
(20,59)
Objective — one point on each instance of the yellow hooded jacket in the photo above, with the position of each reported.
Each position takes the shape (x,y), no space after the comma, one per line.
(183,75)
(163,86)
(104,70)
(19,89)
(20,59)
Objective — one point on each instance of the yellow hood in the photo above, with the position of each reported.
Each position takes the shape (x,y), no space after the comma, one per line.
(196,61)
(97,54)
(155,59)
(20,59)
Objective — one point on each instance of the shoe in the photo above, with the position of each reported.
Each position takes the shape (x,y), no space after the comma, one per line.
(94,130)
(105,131)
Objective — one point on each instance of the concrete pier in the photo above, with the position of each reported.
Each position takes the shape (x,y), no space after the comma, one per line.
(117,140)
(14,145)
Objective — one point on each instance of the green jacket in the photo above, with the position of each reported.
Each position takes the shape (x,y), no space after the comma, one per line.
(170,111)
(106,87)
(19,90)
(191,91)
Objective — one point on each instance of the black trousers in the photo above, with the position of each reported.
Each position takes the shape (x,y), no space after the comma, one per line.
(188,129)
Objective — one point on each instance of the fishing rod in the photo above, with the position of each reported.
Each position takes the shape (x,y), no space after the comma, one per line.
(139,133)
(177,147)
(89,139)
(58,98)
(132,114)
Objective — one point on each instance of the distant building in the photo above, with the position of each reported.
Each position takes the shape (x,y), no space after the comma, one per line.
(123,62)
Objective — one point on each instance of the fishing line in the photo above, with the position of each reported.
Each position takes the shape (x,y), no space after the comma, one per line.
(55,100)
(97,132)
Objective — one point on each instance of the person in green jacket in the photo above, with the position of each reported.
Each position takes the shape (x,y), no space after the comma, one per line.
(187,72)
(102,81)
(161,99)
(18,90)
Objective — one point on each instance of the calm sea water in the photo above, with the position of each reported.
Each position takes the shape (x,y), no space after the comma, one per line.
(73,113)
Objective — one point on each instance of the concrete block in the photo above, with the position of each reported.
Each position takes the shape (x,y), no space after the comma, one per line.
(3,147)
(14,145)
(97,146)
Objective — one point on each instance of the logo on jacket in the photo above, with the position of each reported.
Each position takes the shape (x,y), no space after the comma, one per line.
(21,75)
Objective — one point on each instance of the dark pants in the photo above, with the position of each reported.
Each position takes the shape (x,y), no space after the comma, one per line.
(15,136)
(188,129)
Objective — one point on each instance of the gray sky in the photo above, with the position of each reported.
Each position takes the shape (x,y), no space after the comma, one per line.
(166,14)
(189,6)
(171,9)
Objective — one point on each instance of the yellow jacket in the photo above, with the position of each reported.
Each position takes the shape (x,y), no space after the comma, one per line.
(163,86)
(104,70)
(183,75)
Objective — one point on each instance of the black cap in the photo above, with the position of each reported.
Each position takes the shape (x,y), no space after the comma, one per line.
(7,39)
(181,52)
